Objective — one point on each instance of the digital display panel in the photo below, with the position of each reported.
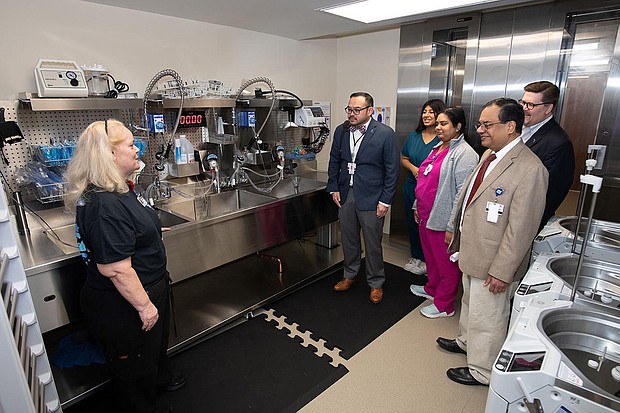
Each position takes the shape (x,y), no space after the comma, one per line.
(317,112)
(527,361)
(538,288)
(192,119)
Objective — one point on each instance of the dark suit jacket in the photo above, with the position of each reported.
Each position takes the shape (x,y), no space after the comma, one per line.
(377,166)
(554,148)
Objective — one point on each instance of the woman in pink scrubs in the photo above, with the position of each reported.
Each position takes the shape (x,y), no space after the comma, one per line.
(442,175)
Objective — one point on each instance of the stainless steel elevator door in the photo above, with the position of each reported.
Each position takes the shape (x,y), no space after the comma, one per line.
(448,65)
(590,76)
(435,63)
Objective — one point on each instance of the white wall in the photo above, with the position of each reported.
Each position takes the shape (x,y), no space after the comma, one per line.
(365,63)
(134,46)
(368,63)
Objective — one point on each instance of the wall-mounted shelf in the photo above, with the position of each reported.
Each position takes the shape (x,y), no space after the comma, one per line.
(197,103)
(33,102)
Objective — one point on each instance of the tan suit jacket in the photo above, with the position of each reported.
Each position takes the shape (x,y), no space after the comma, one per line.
(501,249)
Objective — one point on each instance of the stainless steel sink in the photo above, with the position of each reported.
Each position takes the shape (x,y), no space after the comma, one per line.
(169,219)
(232,201)
(590,340)
(64,238)
(599,280)
(293,186)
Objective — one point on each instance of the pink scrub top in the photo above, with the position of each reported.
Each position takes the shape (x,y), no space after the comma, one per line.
(428,182)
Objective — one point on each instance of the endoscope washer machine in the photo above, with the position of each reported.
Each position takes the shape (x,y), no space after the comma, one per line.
(558,236)
(552,277)
(559,357)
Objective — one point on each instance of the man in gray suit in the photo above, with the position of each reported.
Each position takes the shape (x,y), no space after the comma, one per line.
(364,163)
(500,208)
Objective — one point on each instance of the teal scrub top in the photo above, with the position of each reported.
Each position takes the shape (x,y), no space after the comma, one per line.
(416,151)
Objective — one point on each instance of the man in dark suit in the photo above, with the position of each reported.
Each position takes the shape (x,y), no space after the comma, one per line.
(497,219)
(364,163)
(546,138)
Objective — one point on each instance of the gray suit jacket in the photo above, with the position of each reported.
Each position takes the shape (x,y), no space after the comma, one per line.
(501,249)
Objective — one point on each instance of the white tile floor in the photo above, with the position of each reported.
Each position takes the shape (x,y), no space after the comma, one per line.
(403,370)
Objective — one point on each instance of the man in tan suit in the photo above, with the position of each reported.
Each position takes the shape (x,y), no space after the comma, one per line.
(500,208)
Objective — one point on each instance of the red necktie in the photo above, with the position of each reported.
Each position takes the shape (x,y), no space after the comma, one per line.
(480,177)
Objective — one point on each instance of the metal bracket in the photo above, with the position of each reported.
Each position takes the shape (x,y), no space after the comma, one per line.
(600,151)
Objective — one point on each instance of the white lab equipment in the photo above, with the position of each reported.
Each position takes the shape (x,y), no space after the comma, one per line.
(59,78)
(559,356)
(96,80)
(310,117)
(552,277)
(557,236)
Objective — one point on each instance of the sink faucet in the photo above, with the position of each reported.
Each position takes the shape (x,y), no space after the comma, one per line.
(279,150)
(238,176)
(215,171)
(156,190)
(280,154)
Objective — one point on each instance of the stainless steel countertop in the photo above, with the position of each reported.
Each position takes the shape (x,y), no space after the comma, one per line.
(39,253)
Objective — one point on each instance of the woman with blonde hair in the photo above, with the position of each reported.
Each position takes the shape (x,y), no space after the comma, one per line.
(126,294)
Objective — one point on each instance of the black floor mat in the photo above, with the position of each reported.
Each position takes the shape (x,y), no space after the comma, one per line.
(349,320)
(253,367)
(256,367)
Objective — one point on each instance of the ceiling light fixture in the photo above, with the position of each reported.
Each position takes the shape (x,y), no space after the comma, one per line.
(370,11)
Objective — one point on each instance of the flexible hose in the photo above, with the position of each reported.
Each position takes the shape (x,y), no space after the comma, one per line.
(147,92)
(268,82)
(297,98)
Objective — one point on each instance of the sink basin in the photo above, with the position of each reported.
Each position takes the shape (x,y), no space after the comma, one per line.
(601,232)
(231,201)
(294,186)
(586,336)
(64,238)
(599,280)
(169,219)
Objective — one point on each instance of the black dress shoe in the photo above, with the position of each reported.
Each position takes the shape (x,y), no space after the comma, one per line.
(178,380)
(450,345)
(462,375)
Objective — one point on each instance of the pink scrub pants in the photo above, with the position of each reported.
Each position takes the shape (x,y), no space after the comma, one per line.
(444,276)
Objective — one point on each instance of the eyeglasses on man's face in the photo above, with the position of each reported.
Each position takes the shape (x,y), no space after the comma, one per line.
(530,105)
(486,125)
(357,111)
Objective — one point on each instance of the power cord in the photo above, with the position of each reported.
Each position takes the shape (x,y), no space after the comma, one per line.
(118,87)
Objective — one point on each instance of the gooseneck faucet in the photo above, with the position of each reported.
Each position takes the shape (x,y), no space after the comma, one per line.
(215,171)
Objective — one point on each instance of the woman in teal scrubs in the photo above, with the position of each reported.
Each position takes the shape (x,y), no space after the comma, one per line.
(418,145)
